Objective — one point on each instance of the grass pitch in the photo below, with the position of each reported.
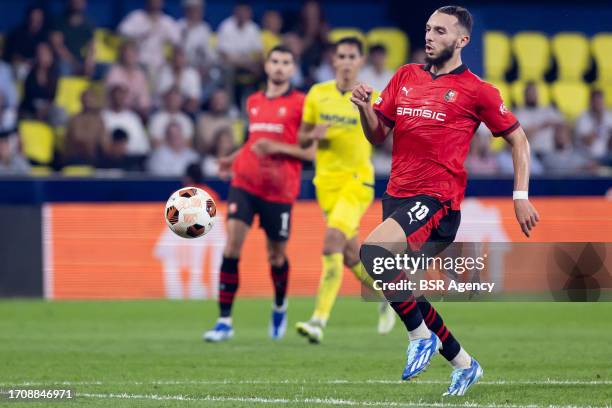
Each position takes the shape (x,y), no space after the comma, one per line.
(149,354)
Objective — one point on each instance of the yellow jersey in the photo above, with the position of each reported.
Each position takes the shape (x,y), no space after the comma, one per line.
(345,151)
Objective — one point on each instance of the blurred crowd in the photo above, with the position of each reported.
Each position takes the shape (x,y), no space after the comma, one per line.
(175,94)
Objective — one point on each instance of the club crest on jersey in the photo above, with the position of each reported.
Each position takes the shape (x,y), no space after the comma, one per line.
(378,101)
(282,111)
(450,96)
(254,111)
(502,109)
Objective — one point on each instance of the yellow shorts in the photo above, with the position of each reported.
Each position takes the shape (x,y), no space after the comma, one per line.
(344,205)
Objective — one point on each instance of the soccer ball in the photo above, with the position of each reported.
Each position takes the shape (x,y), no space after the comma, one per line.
(190,212)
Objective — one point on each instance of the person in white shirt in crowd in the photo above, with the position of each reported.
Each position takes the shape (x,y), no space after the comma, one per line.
(375,73)
(594,128)
(173,156)
(128,73)
(480,159)
(541,123)
(178,74)
(12,161)
(220,114)
(223,146)
(119,116)
(195,35)
(325,71)
(240,48)
(171,112)
(293,41)
(152,30)
(567,160)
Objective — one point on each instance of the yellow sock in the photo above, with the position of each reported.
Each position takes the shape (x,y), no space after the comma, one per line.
(331,279)
(363,276)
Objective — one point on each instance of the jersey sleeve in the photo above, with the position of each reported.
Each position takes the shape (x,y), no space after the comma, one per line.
(491,110)
(309,111)
(384,104)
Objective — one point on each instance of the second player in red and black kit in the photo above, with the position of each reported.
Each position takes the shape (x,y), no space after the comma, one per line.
(433,111)
(266,177)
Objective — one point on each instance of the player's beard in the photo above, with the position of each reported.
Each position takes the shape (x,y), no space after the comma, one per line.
(279,81)
(444,56)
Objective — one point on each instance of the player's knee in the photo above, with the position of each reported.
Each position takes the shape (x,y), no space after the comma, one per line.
(351,256)
(334,241)
(276,258)
(372,257)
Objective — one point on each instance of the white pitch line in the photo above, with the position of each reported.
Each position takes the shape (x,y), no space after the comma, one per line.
(304,382)
(321,401)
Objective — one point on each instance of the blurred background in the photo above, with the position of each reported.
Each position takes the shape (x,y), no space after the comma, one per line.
(107,106)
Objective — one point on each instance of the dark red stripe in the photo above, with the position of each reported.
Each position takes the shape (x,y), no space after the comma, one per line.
(228,277)
(441,329)
(430,315)
(409,308)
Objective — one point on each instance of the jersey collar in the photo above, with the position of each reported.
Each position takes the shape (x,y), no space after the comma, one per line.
(461,68)
(287,92)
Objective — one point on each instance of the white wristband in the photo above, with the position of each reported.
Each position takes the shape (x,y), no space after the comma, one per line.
(520,195)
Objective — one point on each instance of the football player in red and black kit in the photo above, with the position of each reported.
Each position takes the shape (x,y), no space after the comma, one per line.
(266,181)
(433,111)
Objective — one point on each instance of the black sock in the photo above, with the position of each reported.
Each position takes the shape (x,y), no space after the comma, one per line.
(228,285)
(280,278)
(402,302)
(433,320)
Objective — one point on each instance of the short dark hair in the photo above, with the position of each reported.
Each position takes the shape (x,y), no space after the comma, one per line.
(464,17)
(350,41)
(378,48)
(281,48)
(119,135)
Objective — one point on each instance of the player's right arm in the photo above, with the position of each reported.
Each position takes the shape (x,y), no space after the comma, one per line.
(374,129)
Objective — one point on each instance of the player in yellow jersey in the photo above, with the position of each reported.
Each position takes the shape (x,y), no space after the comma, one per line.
(344,181)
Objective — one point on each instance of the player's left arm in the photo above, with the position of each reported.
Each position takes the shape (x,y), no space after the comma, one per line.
(526,214)
(269,147)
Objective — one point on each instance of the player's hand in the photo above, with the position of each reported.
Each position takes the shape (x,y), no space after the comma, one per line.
(225,167)
(319,132)
(263,147)
(526,215)
(362,95)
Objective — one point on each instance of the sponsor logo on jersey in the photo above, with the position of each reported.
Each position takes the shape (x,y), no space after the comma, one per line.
(267,127)
(406,90)
(421,113)
(450,96)
(341,120)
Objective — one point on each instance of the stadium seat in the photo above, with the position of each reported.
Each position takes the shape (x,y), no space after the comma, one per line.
(40,171)
(532,51)
(571,50)
(572,98)
(338,33)
(602,51)
(37,141)
(69,90)
(395,41)
(239,129)
(518,93)
(106,45)
(78,170)
(504,90)
(269,41)
(497,55)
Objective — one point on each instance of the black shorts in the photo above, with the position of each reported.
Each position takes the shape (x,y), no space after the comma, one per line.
(274,218)
(429,225)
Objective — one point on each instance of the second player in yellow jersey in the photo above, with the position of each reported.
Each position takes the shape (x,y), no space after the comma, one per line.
(344,181)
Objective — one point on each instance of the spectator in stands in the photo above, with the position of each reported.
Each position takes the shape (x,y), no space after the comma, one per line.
(185,78)
(271,27)
(40,87)
(418,56)
(541,123)
(594,128)
(195,35)
(152,30)
(11,161)
(8,97)
(375,73)
(127,73)
(296,45)
(223,145)
(119,116)
(240,47)
(170,113)
(173,156)
(85,135)
(381,157)
(115,155)
(313,29)
(72,40)
(219,115)
(325,71)
(480,160)
(21,43)
(565,159)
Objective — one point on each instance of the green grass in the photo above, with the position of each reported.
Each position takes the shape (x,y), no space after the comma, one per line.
(154,348)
